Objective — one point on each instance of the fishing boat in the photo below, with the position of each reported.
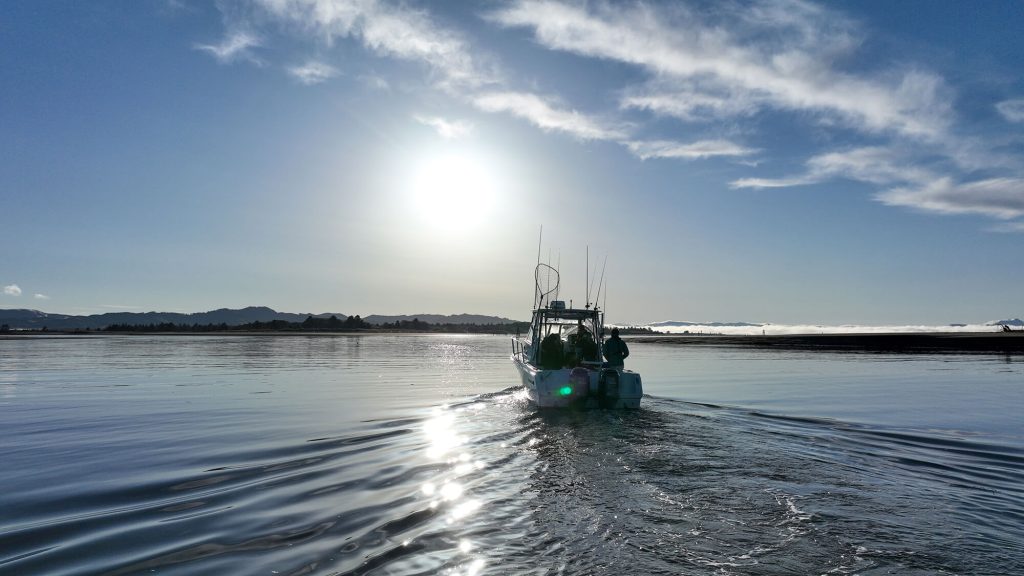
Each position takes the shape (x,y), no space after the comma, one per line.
(560,359)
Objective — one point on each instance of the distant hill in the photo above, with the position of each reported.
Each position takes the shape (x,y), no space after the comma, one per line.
(37,320)
(23,319)
(675,323)
(438,319)
(1013,322)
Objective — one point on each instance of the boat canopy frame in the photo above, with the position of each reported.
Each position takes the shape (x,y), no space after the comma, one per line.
(561,321)
(551,316)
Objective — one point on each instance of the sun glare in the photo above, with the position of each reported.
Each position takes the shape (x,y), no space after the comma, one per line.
(454,192)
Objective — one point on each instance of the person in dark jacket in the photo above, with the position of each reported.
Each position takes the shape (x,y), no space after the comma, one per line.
(615,350)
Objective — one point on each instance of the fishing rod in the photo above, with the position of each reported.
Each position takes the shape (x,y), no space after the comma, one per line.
(587,283)
(536,283)
(558,272)
(598,299)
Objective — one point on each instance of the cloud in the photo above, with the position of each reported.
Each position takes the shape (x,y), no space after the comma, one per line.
(713,63)
(171,7)
(688,103)
(236,45)
(12,290)
(873,164)
(312,72)
(908,183)
(38,296)
(447,129)
(1012,227)
(393,31)
(772,54)
(404,33)
(546,116)
(996,197)
(1012,110)
(375,81)
(702,149)
(773,182)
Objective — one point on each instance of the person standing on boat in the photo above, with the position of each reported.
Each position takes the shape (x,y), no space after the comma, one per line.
(615,351)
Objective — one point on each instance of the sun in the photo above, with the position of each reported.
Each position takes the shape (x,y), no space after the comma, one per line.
(453,192)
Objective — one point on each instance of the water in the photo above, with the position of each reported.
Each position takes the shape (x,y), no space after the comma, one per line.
(418,455)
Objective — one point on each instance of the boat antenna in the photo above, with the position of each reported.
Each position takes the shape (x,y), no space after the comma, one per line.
(536,285)
(598,299)
(548,285)
(604,309)
(587,283)
(558,270)
(590,289)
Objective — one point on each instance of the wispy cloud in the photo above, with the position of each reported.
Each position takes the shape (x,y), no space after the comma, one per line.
(907,184)
(12,290)
(448,129)
(687,102)
(717,63)
(995,197)
(173,7)
(774,182)
(780,54)
(1012,110)
(694,150)
(38,296)
(375,81)
(312,72)
(236,45)
(873,164)
(403,33)
(1012,227)
(393,31)
(546,116)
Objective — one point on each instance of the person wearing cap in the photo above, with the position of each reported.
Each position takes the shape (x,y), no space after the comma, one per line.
(615,351)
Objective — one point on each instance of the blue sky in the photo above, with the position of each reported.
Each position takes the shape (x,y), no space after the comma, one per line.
(777,161)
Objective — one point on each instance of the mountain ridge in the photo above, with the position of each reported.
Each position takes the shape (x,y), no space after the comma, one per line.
(29,319)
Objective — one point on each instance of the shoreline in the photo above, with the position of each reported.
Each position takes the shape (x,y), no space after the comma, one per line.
(1009,342)
(903,342)
(27,334)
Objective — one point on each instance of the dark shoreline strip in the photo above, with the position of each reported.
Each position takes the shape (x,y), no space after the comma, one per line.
(977,342)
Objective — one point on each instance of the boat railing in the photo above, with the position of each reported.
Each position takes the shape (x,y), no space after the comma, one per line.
(518,348)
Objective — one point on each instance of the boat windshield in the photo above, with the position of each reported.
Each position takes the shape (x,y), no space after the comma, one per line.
(565,323)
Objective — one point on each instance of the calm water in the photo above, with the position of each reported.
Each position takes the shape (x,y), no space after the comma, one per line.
(418,455)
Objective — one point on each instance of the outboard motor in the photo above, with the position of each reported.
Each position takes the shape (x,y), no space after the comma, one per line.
(608,388)
(579,384)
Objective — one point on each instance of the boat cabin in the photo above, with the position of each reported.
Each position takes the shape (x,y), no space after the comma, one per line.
(561,337)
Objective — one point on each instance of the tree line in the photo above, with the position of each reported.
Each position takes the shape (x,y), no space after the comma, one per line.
(332,324)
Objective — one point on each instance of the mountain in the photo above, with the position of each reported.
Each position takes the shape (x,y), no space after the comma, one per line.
(1014,322)
(438,319)
(22,319)
(37,320)
(674,323)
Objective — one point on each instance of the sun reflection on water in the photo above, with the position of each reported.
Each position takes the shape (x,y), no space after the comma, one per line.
(464,509)
(451,491)
(441,434)
(446,444)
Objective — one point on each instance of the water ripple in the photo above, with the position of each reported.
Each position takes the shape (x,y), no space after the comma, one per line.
(373,465)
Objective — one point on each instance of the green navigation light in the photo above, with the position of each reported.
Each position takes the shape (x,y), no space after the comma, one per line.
(565,390)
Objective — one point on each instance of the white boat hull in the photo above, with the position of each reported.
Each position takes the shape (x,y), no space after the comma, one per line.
(578,387)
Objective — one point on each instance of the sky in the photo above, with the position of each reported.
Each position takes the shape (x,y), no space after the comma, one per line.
(771,161)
